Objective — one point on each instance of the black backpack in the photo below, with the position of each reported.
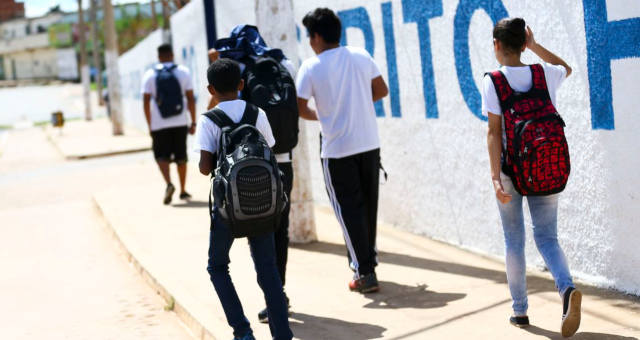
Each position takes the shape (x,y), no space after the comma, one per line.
(269,86)
(246,184)
(168,92)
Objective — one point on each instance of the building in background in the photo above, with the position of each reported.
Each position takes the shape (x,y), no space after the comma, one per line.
(26,51)
(45,47)
(10,9)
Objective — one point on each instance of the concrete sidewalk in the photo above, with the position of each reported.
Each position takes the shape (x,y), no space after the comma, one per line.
(81,139)
(429,290)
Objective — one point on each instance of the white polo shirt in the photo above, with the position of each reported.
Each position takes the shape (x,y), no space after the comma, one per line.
(339,80)
(149,87)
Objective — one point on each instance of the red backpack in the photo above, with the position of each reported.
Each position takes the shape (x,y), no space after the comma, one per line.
(537,155)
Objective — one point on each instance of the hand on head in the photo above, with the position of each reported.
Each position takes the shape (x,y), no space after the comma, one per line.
(531,41)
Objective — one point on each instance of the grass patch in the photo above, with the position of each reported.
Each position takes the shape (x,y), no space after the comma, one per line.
(171,304)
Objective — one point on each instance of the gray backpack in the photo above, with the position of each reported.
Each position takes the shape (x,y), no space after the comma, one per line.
(247,184)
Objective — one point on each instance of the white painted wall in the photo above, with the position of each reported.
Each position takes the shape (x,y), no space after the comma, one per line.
(439,182)
(189,41)
(132,65)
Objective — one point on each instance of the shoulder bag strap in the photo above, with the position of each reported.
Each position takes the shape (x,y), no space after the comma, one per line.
(250,115)
(503,89)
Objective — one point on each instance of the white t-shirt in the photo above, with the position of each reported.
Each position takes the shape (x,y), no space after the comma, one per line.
(339,80)
(208,133)
(149,87)
(519,78)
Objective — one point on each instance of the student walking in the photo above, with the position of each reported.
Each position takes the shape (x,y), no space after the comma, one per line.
(225,82)
(166,89)
(345,82)
(529,158)
(269,84)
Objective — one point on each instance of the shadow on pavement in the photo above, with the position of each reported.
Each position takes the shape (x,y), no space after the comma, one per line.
(311,327)
(191,204)
(535,284)
(393,296)
(578,336)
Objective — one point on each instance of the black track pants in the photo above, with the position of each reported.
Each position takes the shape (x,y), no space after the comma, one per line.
(282,234)
(352,185)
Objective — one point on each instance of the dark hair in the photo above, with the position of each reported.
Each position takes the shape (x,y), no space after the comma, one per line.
(165,49)
(324,22)
(511,33)
(224,75)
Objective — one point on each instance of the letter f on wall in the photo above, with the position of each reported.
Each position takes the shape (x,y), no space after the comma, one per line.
(606,41)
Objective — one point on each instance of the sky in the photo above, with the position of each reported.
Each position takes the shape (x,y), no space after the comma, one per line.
(34,8)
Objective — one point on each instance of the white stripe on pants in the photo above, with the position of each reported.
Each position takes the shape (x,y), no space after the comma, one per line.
(336,209)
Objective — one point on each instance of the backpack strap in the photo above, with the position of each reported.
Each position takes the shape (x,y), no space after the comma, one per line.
(539,81)
(250,115)
(503,89)
(219,117)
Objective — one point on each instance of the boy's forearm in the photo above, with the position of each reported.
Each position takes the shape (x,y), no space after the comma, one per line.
(549,57)
(192,109)
(147,112)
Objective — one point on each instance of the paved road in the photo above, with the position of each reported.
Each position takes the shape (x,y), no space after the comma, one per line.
(62,275)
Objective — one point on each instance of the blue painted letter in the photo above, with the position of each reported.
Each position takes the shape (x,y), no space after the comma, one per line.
(461,22)
(392,66)
(420,11)
(606,41)
(359,18)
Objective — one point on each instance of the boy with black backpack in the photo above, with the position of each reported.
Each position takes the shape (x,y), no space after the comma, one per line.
(269,84)
(234,139)
(167,94)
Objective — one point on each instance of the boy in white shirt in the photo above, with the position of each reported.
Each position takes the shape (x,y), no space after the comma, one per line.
(345,82)
(224,84)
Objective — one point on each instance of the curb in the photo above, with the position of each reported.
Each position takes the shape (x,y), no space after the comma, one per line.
(105,154)
(197,329)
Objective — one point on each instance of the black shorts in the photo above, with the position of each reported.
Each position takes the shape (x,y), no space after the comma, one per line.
(170,145)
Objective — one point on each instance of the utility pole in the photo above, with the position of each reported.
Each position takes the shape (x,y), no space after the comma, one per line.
(113,75)
(154,15)
(97,61)
(84,66)
(166,22)
(277,26)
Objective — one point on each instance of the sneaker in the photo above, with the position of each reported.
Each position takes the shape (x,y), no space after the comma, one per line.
(263,316)
(185,196)
(519,321)
(246,337)
(365,284)
(168,193)
(571,302)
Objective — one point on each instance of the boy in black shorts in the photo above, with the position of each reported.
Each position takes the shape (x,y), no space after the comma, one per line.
(169,130)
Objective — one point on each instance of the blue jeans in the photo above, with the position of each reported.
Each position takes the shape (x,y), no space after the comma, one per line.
(544,213)
(263,254)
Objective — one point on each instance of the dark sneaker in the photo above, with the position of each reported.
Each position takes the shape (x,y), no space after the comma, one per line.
(246,337)
(185,196)
(168,193)
(519,321)
(263,316)
(571,304)
(365,284)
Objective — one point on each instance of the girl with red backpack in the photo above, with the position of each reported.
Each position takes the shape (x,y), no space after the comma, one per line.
(529,158)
